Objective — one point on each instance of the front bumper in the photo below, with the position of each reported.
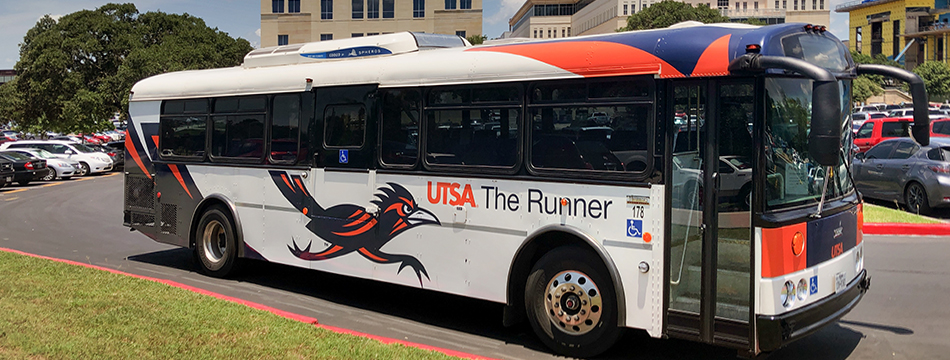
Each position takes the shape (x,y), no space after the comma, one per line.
(776,331)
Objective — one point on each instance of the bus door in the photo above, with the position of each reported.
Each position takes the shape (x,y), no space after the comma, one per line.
(711,163)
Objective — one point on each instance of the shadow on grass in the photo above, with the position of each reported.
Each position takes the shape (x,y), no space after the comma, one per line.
(480,318)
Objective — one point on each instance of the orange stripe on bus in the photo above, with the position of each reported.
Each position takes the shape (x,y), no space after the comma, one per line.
(135,155)
(369,225)
(291,187)
(329,251)
(777,256)
(370,255)
(174,169)
(715,59)
(155,140)
(357,221)
(595,58)
(297,180)
(860,225)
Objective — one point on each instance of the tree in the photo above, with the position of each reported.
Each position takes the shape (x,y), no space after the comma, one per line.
(75,73)
(754,21)
(477,39)
(669,12)
(936,76)
(865,88)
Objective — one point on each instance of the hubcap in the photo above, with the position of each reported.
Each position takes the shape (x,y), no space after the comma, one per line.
(573,302)
(214,240)
(915,198)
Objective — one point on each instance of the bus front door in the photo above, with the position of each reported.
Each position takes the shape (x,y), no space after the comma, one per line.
(709,255)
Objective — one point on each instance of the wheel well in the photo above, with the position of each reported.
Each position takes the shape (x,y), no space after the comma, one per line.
(528,255)
(202,207)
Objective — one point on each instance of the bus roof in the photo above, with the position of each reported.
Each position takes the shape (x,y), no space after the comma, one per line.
(683,50)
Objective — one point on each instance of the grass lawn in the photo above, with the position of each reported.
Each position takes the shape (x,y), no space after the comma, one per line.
(879,214)
(51,310)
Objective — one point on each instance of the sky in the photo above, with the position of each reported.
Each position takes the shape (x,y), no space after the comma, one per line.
(238,18)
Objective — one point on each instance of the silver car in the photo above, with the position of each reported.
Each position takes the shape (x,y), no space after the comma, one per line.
(903,171)
(58,168)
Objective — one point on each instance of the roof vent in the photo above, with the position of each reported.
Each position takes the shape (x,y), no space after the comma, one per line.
(345,49)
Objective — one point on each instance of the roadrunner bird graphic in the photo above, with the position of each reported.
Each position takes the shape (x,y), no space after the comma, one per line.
(350,228)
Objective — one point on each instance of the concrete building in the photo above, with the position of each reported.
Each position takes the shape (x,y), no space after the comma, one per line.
(300,21)
(888,26)
(545,19)
(7,76)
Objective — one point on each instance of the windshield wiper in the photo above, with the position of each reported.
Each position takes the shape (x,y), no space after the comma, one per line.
(824,189)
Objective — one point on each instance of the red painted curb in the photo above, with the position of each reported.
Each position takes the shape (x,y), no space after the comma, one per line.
(278,312)
(906,229)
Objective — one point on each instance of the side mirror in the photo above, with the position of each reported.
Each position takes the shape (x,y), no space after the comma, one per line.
(69,152)
(859,156)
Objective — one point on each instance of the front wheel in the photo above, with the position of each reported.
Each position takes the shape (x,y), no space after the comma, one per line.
(571,303)
(215,243)
(83,169)
(916,198)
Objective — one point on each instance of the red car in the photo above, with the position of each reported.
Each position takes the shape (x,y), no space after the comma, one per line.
(874,131)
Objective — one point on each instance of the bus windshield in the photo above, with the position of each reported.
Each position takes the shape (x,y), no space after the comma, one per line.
(793,177)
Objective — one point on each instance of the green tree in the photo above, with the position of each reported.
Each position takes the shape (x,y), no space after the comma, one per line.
(754,21)
(477,39)
(864,88)
(75,73)
(936,76)
(669,12)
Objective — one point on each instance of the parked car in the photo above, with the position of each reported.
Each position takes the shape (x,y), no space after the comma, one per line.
(9,135)
(117,155)
(25,168)
(858,118)
(90,161)
(909,113)
(874,131)
(63,169)
(903,171)
(6,172)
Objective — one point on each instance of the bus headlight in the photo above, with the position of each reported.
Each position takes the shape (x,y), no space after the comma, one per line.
(788,294)
(802,290)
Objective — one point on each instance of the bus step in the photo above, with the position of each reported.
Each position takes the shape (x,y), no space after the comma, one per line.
(723,310)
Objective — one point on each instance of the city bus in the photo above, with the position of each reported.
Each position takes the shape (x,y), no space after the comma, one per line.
(662,180)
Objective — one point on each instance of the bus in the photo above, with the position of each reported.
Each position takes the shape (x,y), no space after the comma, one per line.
(661,180)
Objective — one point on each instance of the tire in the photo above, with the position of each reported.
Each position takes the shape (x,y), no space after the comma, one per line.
(83,169)
(915,196)
(50,175)
(216,243)
(593,302)
(745,198)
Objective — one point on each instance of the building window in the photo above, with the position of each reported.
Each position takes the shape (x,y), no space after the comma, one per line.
(563,32)
(722,4)
(388,12)
(857,39)
(625,9)
(357,9)
(277,6)
(897,38)
(776,4)
(745,6)
(535,35)
(756,5)
(325,37)
(372,9)
(465,4)
(293,6)
(354,35)
(796,4)
(282,40)
(568,31)
(784,4)
(814,4)
(549,33)
(821,4)
(418,8)
(371,34)
(450,4)
(326,9)
(460,33)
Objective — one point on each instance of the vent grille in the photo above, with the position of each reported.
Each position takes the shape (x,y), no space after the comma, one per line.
(143,219)
(169,219)
(139,192)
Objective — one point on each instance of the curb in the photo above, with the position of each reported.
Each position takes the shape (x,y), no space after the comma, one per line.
(275,311)
(906,229)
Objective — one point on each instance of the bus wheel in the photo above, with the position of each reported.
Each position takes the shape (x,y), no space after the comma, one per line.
(216,244)
(571,304)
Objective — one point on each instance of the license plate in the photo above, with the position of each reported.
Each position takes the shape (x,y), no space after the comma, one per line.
(840,282)
(9,179)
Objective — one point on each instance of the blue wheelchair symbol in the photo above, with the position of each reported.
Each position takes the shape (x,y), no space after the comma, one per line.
(813,285)
(635,228)
(344,156)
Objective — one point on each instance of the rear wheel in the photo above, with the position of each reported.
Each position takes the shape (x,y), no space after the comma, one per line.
(916,199)
(571,304)
(50,175)
(215,243)
(83,169)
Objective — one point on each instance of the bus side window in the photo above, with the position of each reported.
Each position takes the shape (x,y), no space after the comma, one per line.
(345,125)
(285,130)
(182,129)
(399,128)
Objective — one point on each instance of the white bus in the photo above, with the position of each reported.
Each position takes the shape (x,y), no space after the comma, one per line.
(565,178)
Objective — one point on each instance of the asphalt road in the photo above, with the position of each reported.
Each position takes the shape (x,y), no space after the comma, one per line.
(904,316)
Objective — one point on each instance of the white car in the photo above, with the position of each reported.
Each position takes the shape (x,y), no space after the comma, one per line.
(90,160)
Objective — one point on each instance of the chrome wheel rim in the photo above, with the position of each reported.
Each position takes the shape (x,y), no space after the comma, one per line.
(50,175)
(83,169)
(573,302)
(214,241)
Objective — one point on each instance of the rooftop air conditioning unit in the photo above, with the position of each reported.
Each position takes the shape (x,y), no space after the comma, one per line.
(353,48)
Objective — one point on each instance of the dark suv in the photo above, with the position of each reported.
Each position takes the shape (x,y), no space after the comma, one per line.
(6,172)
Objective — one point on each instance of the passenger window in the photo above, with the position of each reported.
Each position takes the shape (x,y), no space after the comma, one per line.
(895,129)
(881,151)
(604,138)
(935,154)
(725,168)
(345,125)
(904,150)
(182,136)
(400,128)
(865,131)
(238,136)
(285,129)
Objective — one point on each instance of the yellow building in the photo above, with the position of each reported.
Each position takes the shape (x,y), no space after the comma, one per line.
(888,26)
(300,21)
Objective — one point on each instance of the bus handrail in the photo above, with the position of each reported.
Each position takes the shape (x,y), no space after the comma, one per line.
(921,128)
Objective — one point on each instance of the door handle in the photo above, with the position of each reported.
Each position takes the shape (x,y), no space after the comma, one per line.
(905,167)
(880,166)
